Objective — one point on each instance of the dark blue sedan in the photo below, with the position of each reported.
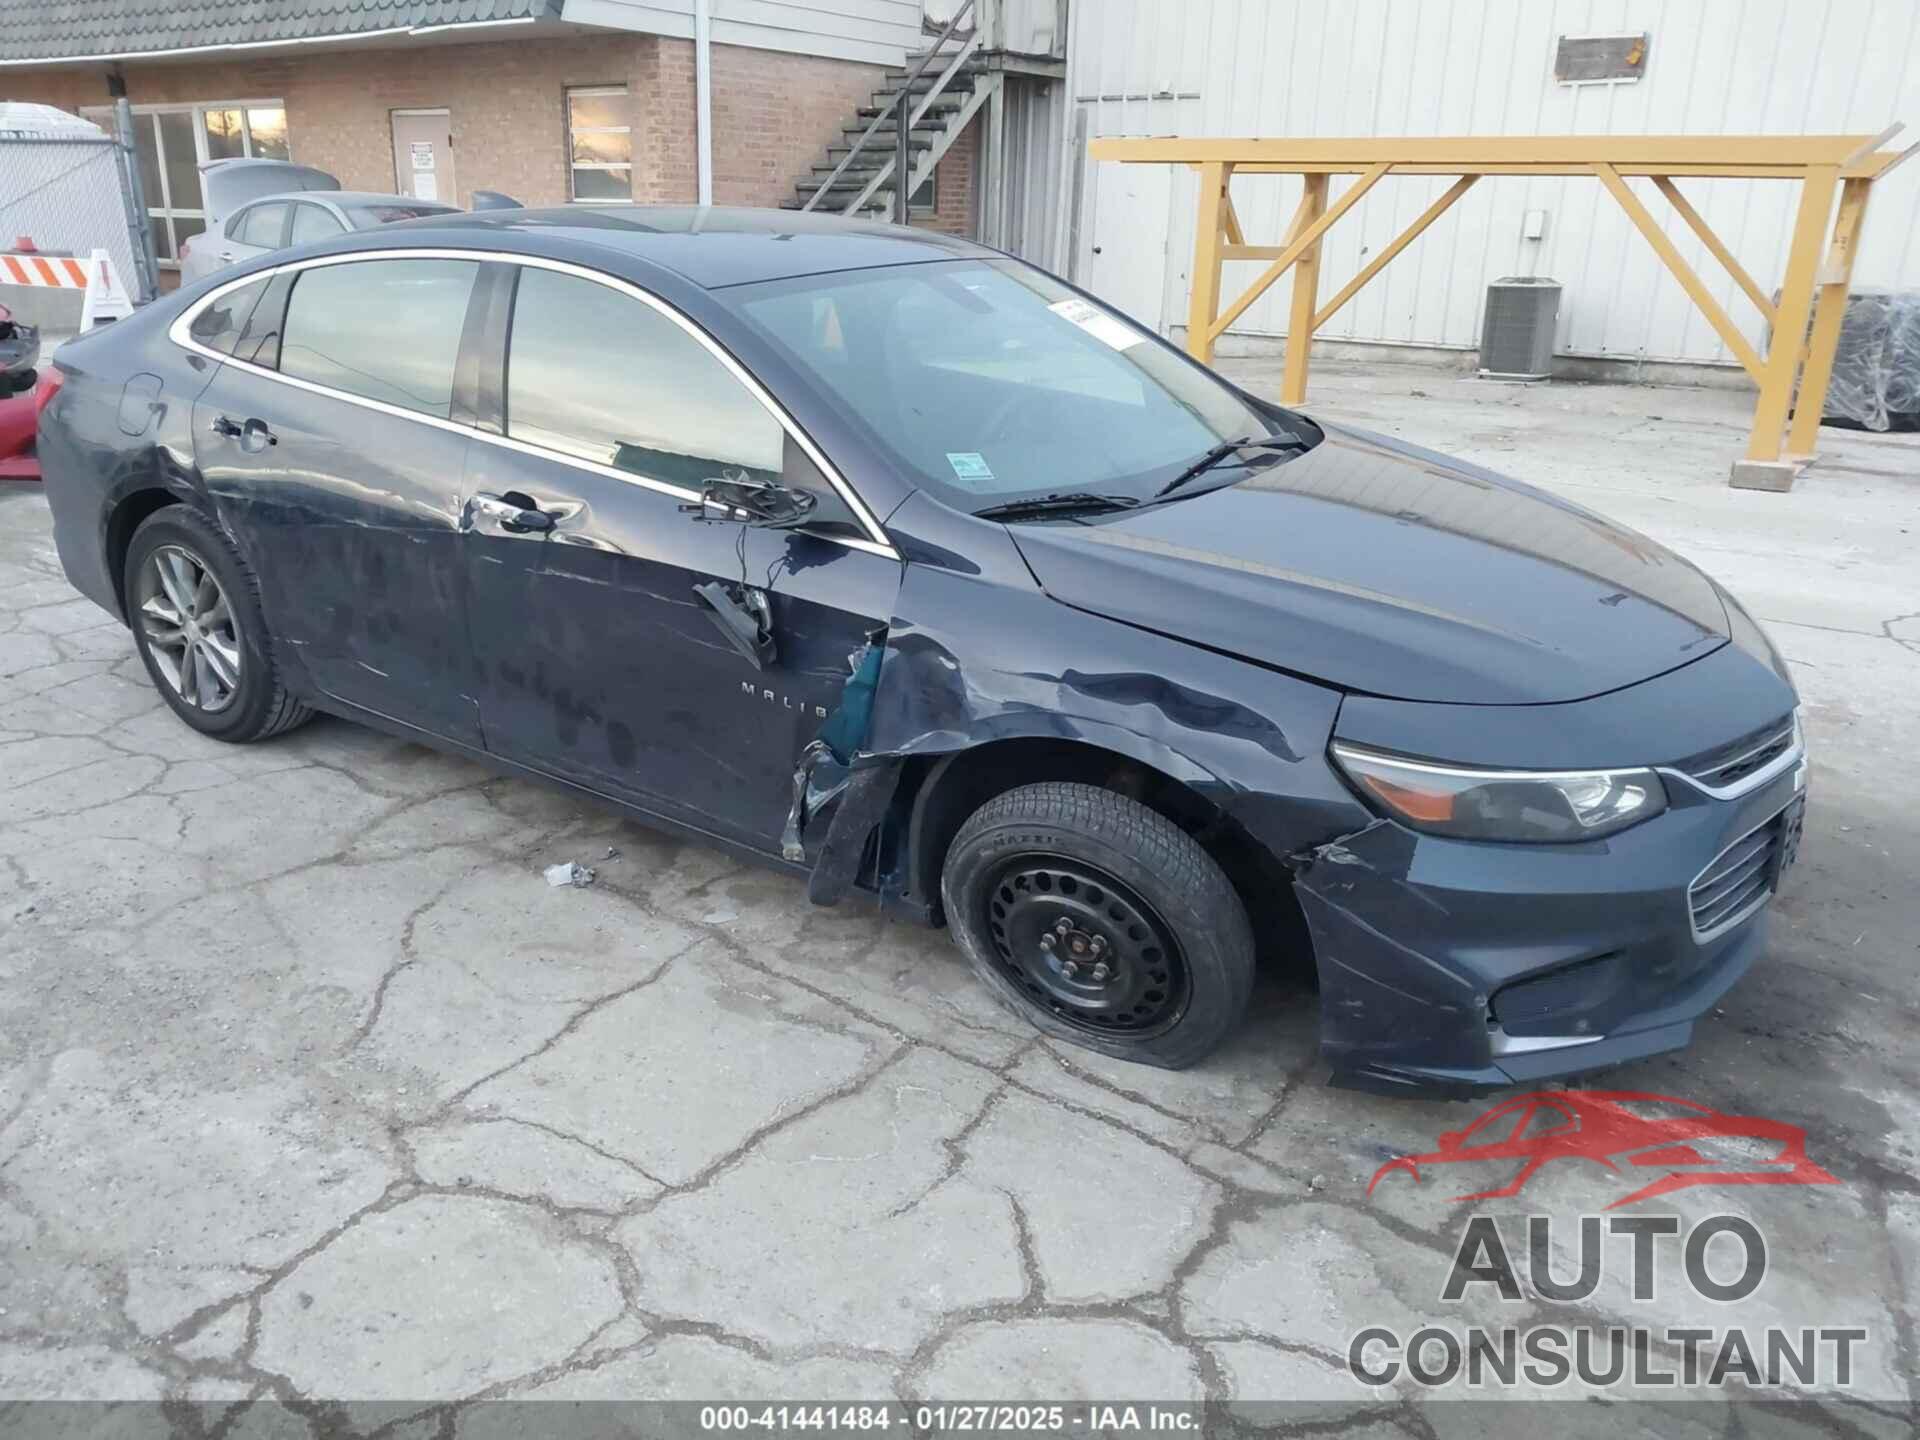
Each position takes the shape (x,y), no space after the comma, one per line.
(913,569)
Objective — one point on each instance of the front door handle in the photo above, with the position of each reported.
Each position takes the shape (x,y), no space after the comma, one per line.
(521,518)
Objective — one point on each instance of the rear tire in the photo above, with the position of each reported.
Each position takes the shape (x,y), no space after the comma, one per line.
(1100,921)
(194,608)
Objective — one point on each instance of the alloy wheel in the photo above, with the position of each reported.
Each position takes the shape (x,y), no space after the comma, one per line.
(189,628)
(1086,947)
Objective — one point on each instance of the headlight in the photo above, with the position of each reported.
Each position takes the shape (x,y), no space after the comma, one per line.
(1523,805)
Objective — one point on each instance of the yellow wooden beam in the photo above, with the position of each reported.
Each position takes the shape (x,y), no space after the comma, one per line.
(1205,298)
(1580,169)
(1790,323)
(1717,317)
(1230,216)
(1814,287)
(1762,301)
(1405,238)
(1302,216)
(1306,287)
(1829,311)
(1304,241)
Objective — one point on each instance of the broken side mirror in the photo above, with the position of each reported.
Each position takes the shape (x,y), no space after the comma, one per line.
(761,503)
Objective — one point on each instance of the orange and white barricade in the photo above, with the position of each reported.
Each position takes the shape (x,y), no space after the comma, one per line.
(106,297)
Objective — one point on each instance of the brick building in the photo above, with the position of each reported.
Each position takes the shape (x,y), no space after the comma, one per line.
(550,101)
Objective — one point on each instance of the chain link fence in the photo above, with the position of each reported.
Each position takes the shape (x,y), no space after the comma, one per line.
(69,191)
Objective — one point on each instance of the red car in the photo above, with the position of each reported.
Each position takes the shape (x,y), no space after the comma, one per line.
(1693,1144)
(23,395)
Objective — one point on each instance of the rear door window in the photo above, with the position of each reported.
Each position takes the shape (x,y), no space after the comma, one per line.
(259,343)
(387,330)
(312,222)
(262,225)
(220,324)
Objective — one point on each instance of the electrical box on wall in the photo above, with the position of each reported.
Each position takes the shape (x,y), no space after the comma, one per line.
(1600,59)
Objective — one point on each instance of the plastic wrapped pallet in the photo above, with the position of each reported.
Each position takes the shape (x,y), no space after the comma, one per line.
(1876,368)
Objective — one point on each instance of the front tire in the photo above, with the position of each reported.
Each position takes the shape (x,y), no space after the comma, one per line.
(1100,921)
(195,612)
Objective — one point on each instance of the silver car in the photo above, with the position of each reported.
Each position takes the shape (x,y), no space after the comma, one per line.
(254,206)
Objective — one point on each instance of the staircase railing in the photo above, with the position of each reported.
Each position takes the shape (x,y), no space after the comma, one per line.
(900,164)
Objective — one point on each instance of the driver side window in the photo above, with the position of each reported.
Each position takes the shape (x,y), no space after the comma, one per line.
(597,375)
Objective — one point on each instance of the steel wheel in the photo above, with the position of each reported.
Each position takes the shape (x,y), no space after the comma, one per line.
(1086,947)
(189,628)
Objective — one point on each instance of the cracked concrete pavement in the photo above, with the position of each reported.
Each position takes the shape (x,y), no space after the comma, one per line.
(313,1093)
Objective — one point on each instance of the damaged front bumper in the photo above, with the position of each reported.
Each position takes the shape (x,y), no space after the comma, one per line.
(1456,966)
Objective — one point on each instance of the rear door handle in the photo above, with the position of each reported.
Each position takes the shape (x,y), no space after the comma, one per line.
(252,433)
(511,515)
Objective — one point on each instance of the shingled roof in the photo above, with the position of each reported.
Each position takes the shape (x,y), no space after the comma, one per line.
(88,29)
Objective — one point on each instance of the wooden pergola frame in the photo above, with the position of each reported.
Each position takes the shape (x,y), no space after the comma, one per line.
(1814,286)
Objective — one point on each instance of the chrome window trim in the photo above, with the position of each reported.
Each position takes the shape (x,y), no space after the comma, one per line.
(180,332)
(1747,784)
(1746,912)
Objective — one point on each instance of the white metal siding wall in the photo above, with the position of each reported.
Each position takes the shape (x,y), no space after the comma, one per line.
(877,31)
(1484,67)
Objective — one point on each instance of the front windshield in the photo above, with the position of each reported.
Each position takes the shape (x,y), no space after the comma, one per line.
(989,381)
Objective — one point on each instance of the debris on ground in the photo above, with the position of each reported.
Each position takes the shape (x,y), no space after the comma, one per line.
(613,853)
(569,873)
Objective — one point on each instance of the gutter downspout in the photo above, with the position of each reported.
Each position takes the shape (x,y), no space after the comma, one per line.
(703,95)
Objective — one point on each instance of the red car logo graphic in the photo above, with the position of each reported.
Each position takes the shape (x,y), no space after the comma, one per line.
(1691,1143)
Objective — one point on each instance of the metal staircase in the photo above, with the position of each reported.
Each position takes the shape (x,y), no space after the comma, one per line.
(939,91)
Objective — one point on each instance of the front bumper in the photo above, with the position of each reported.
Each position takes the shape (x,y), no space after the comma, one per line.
(1458,966)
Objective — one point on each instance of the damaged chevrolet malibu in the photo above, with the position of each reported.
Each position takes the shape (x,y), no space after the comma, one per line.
(913,570)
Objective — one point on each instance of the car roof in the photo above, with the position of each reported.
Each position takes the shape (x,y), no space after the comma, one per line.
(349,197)
(712,246)
(374,197)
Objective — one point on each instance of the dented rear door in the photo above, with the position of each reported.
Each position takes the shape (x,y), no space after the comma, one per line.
(343,488)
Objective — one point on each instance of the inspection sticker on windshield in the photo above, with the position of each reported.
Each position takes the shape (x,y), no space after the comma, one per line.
(968,467)
(1097,323)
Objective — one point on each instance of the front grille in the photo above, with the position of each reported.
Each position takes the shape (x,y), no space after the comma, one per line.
(1737,881)
(1731,763)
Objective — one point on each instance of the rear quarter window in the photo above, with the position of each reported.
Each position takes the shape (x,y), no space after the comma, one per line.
(219,326)
(261,225)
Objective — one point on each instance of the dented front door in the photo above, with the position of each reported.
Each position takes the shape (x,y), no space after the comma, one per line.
(597,661)
(597,657)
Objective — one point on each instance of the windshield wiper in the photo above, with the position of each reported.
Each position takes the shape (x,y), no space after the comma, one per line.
(1226,449)
(1074,502)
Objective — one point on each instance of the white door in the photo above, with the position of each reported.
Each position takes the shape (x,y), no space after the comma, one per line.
(1124,244)
(423,155)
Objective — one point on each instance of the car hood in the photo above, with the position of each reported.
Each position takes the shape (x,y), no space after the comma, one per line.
(1391,570)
